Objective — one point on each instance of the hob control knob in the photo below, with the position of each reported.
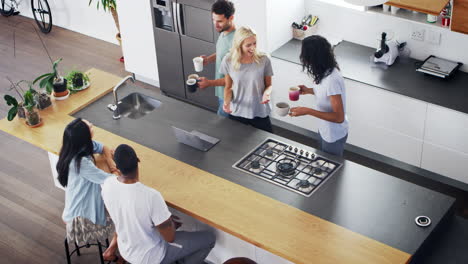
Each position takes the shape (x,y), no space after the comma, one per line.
(295,149)
(301,152)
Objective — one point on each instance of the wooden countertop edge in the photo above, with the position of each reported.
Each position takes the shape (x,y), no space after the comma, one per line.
(434,12)
(191,197)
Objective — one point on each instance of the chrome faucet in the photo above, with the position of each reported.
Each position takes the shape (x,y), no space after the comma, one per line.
(114,107)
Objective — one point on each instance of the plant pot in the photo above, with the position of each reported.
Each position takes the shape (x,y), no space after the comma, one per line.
(119,39)
(77,80)
(60,86)
(61,95)
(43,100)
(21,111)
(33,119)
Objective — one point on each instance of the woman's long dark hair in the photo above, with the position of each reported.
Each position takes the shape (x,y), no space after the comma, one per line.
(317,58)
(77,144)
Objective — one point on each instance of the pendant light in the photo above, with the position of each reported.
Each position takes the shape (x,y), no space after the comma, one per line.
(366,2)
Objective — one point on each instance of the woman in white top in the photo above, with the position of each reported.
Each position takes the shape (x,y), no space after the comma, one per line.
(319,61)
(247,81)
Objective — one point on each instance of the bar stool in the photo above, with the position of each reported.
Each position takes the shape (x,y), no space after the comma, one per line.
(77,250)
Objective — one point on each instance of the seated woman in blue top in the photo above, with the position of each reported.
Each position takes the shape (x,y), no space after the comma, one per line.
(84,211)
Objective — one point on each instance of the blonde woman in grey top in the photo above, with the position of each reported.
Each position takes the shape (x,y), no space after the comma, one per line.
(247,81)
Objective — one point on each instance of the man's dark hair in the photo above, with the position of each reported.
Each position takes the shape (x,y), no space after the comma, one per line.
(126,160)
(223,7)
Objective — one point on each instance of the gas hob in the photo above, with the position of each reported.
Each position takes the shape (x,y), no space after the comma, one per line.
(285,165)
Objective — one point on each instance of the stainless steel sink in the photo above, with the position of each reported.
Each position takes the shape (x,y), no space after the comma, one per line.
(137,105)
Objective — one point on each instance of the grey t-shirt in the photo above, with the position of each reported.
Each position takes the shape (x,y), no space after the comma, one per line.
(248,85)
(333,84)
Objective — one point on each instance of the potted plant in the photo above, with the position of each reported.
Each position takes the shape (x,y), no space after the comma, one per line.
(111,5)
(40,97)
(11,101)
(54,81)
(33,119)
(77,81)
(17,107)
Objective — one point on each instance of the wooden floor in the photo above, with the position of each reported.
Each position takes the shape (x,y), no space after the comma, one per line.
(31,229)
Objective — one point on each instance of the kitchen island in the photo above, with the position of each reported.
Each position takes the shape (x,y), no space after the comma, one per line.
(357,216)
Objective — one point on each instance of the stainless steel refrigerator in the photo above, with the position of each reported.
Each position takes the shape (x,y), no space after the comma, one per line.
(183,29)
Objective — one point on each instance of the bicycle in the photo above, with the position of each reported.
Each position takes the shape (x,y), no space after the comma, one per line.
(40,9)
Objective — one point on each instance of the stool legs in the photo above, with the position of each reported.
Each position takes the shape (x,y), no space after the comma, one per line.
(100,252)
(77,249)
(67,251)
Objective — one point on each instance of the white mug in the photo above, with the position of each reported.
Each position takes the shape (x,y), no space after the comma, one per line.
(198,64)
(282,109)
(385,8)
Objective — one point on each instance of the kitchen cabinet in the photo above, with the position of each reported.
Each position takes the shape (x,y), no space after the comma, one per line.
(447,128)
(445,161)
(138,46)
(433,7)
(287,74)
(385,109)
(384,122)
(460,16)
(445,148)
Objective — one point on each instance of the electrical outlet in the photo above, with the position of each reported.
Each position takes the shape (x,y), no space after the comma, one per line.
(433,37)
(418,34)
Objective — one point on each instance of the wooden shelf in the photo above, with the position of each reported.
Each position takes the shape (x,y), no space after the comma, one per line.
(409,15)
(433,7)
(460,16)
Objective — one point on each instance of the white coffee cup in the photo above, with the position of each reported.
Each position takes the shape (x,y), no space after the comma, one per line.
(198,64)
(385,8)
(282,109)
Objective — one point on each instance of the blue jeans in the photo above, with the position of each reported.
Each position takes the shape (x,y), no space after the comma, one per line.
(335,148)
(220,108)
(189,247)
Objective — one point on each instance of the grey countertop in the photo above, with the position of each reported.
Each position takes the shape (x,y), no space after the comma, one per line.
(355,63)
(363,200)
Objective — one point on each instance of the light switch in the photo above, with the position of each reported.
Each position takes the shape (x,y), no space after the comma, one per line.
(433,37)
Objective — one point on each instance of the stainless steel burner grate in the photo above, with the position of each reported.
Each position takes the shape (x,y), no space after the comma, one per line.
(311,172)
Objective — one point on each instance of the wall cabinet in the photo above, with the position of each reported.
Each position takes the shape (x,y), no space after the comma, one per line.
(460,16)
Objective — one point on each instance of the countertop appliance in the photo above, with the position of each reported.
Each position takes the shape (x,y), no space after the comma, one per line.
(183,29)
(288,166)
(439,67)
(388,51)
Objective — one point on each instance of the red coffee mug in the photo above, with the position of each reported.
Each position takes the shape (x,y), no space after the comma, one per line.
(294,93)
(446,21)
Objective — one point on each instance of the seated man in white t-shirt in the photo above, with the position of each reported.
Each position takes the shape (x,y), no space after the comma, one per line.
(145,228)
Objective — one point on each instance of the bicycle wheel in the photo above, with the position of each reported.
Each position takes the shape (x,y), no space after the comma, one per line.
(42,15)
(6,8)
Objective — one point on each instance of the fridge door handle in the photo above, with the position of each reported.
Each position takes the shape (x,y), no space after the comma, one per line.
(175,15)
(179,19)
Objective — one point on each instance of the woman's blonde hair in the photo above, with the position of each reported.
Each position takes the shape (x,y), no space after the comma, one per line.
(236,51)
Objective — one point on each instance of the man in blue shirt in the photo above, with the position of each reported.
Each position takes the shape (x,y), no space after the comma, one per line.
(223,20)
